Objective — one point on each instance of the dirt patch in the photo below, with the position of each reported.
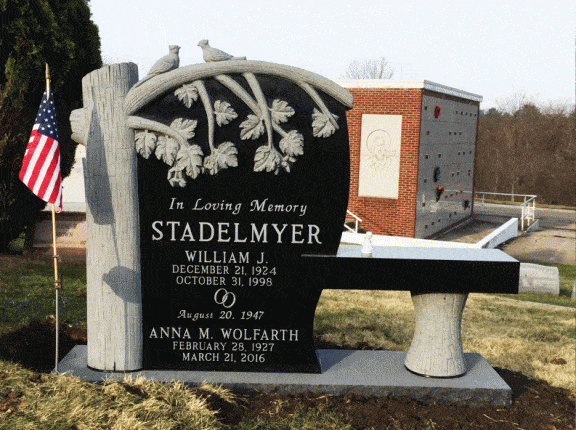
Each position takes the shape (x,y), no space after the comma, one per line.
(34,345)
(536,405)
(544,246)
(12,261)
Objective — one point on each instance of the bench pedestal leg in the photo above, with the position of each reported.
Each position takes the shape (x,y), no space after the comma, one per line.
(436,348)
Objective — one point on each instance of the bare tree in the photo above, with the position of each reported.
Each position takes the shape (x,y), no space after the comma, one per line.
(558,107)
(514,102)
(376,68)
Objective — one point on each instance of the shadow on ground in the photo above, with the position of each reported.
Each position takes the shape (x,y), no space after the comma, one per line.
(34,345)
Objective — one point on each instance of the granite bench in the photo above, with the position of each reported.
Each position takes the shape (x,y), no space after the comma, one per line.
(439,280)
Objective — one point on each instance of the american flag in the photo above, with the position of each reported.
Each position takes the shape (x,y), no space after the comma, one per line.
(41,165)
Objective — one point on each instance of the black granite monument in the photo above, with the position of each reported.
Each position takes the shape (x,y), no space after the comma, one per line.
(250,173)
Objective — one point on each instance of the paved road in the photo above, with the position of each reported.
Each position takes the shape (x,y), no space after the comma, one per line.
(549,218)
(553,242)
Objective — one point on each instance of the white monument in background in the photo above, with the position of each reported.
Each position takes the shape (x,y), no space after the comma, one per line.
(73,195)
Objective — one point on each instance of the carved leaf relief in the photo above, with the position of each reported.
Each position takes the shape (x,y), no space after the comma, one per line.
(292,144)
(145,143)
(252,128)
(189,160)
(268,159)
(185,127)
(170,143)
(321,124)
(281,111)
(223,156)
(187,94)
(167,149)
(224,112)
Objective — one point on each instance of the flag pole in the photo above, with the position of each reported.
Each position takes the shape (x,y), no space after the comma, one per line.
(57,285)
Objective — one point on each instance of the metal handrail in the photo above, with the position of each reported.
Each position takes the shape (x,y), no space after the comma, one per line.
(355,230)
(528,206)
(528,210)
(503,194)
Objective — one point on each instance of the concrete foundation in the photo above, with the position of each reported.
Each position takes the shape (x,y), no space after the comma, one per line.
(366,373)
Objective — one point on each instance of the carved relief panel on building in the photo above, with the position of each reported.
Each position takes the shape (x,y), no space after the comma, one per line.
(379,172)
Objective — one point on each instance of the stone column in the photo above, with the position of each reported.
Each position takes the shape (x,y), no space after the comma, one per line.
(114,311)
(436,348)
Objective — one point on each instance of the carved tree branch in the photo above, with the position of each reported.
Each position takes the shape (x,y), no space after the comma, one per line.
(138,123)
(279,129)
(148,91)
(257,90)
(319,102)
(243,95)
(81,122)
(209,111)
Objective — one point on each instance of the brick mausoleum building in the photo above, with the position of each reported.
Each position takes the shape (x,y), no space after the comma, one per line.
(412,148)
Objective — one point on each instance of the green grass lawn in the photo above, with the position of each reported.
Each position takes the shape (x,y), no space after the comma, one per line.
(516,335)
(27,293)
(345,319)
(567,274)
(511,334)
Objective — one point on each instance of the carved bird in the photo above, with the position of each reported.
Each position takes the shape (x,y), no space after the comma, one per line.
(212,54)
(164,64)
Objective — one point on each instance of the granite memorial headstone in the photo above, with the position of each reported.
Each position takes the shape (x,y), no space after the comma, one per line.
(216,197)
(239,175)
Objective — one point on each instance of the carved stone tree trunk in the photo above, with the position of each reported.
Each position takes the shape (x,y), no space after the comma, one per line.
(114,312)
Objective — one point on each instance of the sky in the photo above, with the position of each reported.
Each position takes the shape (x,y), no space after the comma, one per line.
(495,49)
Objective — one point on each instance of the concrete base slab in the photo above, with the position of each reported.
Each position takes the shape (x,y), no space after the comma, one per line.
(366,373)
(539,279)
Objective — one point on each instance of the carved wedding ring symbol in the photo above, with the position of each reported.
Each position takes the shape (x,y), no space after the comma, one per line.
(224,298)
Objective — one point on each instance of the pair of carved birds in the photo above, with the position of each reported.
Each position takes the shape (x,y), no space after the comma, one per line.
(172,60)
(163,65)
(210,54)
